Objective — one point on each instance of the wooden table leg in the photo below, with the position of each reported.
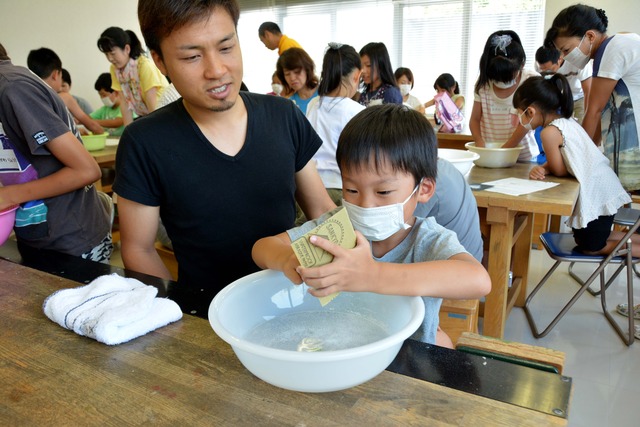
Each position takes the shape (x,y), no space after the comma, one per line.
(501,221)
(521,253)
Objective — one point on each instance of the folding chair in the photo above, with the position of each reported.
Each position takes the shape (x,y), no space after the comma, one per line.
(560,247)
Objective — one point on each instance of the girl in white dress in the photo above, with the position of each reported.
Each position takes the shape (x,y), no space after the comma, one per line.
(548,102)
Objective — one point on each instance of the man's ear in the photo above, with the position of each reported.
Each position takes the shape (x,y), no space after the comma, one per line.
(159,62)
(426,190)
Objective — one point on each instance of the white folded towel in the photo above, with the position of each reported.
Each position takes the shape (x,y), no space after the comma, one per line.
(111,309)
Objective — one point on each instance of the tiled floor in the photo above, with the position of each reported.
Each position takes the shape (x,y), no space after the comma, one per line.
(605,372)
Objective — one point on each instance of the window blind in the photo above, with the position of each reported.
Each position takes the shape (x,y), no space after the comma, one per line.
(430,37)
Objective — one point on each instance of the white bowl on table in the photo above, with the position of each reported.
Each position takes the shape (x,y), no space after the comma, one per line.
(264,317)
(494,156)
(461,159)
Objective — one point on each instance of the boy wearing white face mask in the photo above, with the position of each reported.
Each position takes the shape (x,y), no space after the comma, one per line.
(388,159)
(109,115)
(493,118)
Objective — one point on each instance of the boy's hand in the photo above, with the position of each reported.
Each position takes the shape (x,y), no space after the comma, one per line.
(538,172)
(351,269)
(290,269)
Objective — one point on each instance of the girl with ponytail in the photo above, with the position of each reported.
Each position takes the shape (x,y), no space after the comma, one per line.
(548,102)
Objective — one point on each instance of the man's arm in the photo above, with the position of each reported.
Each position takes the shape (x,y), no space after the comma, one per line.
(311,194)
(138,228)
(79,169)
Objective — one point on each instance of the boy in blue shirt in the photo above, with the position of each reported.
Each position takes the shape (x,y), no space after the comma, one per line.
(388,160)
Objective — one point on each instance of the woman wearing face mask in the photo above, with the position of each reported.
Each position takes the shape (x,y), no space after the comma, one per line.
(493,118)
(579,32)
(109,115)
(404,78)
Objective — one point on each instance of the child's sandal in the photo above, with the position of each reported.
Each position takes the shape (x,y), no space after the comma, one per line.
(623,309)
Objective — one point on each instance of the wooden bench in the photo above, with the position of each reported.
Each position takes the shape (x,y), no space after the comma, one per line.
(458,316)
(511,351)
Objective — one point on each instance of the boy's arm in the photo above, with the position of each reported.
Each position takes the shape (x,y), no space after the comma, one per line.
(81,116)
(107,123)
(80,169)
(461,276)
(311,194)
(275,252)
(138,228)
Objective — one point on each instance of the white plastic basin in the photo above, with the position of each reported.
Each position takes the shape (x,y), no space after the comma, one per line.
(461,159)
(264,317)
(493,156)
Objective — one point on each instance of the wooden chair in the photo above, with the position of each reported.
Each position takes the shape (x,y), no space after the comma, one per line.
(459,316)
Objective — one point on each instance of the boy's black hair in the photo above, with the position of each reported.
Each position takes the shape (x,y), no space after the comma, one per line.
(551,93)
(380,62)
(338,62)
(545,54)
(104,82)
(117,37)
(43,62)
(391,133)
(272,27)
(66,77)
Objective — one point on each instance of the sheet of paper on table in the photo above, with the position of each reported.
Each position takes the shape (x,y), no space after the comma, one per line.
(518,186)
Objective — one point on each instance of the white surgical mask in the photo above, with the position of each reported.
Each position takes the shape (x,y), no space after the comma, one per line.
(528,125)
(378,223)
(277,88)
(107,101)
(577,58)
(405,89)
(503,85)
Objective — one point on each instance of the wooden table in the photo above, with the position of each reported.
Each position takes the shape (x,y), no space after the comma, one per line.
(184,374)
(510,222)
(454,140)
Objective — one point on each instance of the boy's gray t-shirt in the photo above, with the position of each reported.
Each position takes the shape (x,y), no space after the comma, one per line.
(426,241)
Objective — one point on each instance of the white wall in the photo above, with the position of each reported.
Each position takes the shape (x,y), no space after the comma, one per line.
(72,28)
(621,17)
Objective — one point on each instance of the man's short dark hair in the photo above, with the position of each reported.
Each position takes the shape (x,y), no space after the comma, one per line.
(272,27)
(546,54)
(43,62)
(159,18)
